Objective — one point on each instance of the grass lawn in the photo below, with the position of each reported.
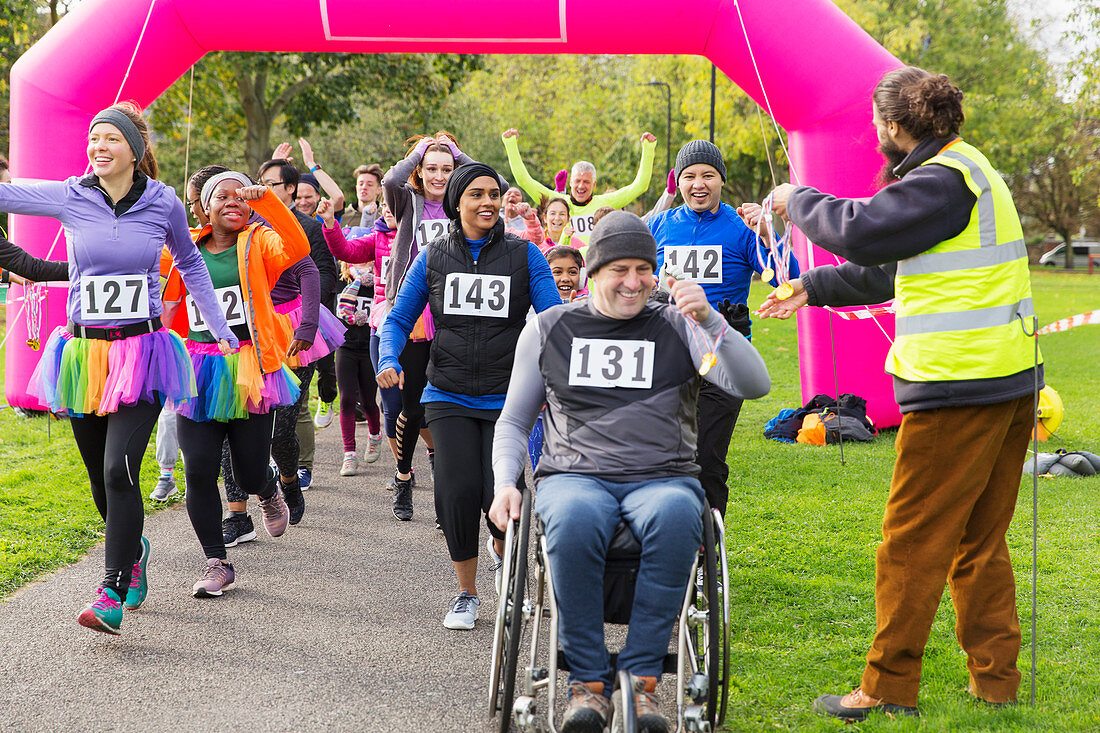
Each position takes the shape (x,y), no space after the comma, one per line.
(802,532)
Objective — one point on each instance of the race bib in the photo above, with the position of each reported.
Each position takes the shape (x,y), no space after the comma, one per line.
(701,264)
(114,297)
(582,224)
(611,363)
(232,305)
(384,269)
(363,304)
(429,230)
(468,294)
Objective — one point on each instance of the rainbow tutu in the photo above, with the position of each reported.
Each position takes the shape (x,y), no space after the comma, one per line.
(84,376)
(230,387)
(330,332)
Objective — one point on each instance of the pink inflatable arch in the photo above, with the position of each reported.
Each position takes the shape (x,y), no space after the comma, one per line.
(816,72)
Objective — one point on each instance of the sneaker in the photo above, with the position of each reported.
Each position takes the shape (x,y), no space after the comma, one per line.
(374,448)
(350,466)
(305,478)
(587,709)
(496,562)
(217,577)
(463,611)
(295,502)
(857,705)
(323,418)
(103,614)
(238,528)
(276,514)
(393,481)
(139,581)
(165,488)
(402,499)
(647,708)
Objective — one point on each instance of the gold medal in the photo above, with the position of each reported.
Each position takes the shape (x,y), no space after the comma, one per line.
(784,291)
(709,360)
(33,343)
(767,275)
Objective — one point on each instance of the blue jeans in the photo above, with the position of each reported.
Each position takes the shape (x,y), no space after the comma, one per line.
(580,514)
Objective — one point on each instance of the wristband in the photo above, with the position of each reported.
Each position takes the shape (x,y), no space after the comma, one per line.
(314,169)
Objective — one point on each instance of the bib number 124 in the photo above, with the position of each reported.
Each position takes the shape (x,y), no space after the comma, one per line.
(611,363)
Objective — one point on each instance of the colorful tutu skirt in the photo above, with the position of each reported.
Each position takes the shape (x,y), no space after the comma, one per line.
(230,387)
(85,376)
(330,332)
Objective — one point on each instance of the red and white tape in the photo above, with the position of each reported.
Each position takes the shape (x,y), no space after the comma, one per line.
(863,313)
(1081,319)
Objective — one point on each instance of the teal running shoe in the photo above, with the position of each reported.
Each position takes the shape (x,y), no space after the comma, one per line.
(103,614)
(139,581)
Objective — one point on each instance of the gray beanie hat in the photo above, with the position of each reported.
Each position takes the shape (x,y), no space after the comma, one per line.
(700,151)
(619,235)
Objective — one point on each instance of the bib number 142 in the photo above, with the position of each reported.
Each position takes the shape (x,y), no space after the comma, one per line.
(611,363)
(468,294)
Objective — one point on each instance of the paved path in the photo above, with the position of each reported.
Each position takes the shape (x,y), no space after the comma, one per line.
(336,625)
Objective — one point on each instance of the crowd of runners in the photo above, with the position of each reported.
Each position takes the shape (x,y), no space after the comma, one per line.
(612,348)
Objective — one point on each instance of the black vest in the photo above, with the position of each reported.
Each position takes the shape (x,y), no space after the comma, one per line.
(472,354)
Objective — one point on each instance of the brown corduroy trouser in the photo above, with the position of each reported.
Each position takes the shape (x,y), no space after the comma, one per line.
(951,500)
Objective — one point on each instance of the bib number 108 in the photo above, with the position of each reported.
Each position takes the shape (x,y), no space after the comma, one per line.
(611,363)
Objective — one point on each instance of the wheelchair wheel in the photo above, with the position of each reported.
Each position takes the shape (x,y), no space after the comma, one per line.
(625,716)
(509,620)
(712,646)
(722,606)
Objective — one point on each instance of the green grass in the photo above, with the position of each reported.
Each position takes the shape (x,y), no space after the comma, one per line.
(802,532)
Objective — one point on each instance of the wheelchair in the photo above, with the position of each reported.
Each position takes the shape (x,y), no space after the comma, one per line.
(527,609)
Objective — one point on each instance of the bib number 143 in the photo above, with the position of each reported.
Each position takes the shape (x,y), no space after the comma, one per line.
(114,297)
(468,294)
(611,363)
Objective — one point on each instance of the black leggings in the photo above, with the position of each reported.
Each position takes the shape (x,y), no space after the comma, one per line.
(112,447)
(414,365)
(285,447)
(357,383)
(717,413)
(464,475)
(249,444)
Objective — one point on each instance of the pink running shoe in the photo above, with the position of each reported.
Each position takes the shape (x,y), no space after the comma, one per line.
(276,514)
(103,614)
(217,577)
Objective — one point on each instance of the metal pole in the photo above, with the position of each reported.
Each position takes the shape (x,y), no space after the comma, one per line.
(668,124)
(1034,507)
(713,84)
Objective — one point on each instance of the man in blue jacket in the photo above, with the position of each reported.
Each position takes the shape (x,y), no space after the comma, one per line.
(707,241)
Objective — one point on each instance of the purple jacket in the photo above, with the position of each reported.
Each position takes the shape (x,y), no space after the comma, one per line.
(99,243)
(301,280)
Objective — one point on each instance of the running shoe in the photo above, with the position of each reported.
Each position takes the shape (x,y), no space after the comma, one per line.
(103,614)
(647,707)
(496,562)
(323,418)
(305,478)
(587,709)
(402,499)
(412,481)
(165,488)
(374,448)
(217,577)
(238,528)
(276,514)
(350,466)
(139,581)
(295,502)
(463,611)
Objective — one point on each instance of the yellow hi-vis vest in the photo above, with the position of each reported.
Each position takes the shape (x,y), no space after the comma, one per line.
(962,306)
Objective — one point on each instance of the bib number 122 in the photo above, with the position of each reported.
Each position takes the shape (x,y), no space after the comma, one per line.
(611,363)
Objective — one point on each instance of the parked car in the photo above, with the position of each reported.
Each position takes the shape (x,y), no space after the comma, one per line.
(1081,249)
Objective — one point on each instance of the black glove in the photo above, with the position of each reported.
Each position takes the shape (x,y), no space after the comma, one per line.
(737,315)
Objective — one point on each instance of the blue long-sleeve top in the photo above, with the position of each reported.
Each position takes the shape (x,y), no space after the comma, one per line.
(412,299)
(741,255)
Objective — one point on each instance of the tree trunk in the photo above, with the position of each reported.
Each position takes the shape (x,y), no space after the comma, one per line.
(257,138)
(1068,239)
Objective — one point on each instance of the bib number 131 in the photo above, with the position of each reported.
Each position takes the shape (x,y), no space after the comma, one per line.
(611,363)
(467,294)
(114,297)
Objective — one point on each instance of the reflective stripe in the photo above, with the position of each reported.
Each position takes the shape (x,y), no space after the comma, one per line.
(998,315)
(965,259)
(987,217)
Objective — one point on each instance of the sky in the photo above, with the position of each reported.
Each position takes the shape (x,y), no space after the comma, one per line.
(1050,17)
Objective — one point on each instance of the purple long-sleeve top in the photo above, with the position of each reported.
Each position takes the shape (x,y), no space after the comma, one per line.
(301,279)
(101,243)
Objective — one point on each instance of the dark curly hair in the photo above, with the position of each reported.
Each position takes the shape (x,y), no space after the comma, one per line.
(922,103)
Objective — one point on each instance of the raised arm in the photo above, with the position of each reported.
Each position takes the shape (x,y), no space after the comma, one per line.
(331,187)
(358,251)
(622,197)
(530,186)
(34,199)
(285,242)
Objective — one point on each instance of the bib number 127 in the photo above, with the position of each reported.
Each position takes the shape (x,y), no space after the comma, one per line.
(611,363)
(114,297)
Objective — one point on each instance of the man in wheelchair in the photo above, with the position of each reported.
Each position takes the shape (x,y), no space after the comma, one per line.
(618,374)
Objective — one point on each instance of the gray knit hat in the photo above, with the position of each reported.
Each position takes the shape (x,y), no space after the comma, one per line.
(617,236)
(700,151)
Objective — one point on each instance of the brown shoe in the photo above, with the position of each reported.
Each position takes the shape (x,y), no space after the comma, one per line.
(647,707)
(857,705)
(587,709)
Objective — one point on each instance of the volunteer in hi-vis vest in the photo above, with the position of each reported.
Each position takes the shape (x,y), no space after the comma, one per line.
(945,240)
(582,184)
(480,283)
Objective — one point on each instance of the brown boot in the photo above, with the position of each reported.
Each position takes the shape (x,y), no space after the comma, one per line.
(857,705)
(647,707)
(587,709)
